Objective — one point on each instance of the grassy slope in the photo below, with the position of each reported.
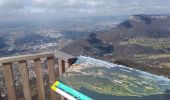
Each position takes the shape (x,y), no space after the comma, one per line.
(157,44)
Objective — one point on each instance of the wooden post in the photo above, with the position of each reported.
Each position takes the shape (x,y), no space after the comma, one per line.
(67,66)
(0,95)
(52,76)
(61,66)
(39,77)
(25,79)
(9,80)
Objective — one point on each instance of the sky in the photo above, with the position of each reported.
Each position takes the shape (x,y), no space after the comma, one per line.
(51,9)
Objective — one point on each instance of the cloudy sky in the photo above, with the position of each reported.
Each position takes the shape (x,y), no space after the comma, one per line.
(14,9)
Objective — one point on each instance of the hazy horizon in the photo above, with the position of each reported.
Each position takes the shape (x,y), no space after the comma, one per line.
(68,9)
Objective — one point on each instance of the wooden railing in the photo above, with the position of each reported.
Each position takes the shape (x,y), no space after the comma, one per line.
(64,61)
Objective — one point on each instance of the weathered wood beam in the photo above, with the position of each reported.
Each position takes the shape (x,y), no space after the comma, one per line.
(1,98)
(9,81)
(60,66)
(25,79)
(39,79)
(52,76)
(63,56)
(25,57)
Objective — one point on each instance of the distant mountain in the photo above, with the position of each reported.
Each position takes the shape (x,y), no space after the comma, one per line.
(156,26)
(143,39)
(137,26)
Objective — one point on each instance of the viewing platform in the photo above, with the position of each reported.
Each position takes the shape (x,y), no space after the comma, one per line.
(57,63)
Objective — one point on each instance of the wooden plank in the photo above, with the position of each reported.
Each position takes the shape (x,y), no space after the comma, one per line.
(9,81)
(67,65)
(58,54)
(52,76)
(62,98)
(1,98)
(25,79)
(39,77)
(26,57)
(60,67)
(63,66)
(63,56)
(61,70)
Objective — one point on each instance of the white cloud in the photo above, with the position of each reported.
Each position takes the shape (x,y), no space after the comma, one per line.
(83,7)
(11,4)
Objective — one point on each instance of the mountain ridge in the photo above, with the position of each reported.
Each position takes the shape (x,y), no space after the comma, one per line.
(139,40)
(130,28)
